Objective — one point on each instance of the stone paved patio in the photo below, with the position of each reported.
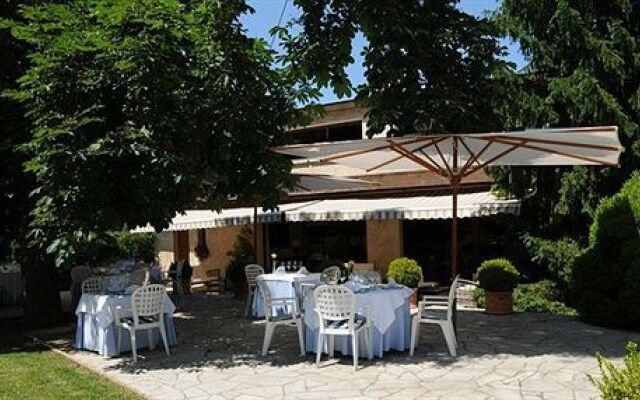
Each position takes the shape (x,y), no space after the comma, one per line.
(524,356)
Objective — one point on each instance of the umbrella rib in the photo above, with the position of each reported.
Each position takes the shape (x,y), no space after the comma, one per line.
(402,156)
(513,147)
(473,157)
(401,150)
(443,159)
(428,157)
(364,151)
(560,153)
(562,143)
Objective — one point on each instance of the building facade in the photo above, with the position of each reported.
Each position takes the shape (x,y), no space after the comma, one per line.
(394,215)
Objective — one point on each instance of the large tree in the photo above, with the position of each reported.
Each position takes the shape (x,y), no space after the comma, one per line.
(139,109)
(429,66)
(583,69)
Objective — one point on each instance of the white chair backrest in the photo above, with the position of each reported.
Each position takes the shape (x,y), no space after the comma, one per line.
(80,273)
(335,303)
(451,301)
(331,275)
(93,285)
(252,271)
(147,301)
(139,277)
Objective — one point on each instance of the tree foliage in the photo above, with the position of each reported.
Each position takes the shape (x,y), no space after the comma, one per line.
(583,69)
(140,109)
(605,280)
(429,66)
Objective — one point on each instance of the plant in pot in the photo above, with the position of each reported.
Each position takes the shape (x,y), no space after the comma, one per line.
(498,277)
(406,271)
(241,255)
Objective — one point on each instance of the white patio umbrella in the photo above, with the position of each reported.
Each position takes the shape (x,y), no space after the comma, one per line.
(456,156)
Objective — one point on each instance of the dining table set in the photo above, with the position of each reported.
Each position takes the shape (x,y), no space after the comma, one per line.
(97,312)
(386,304)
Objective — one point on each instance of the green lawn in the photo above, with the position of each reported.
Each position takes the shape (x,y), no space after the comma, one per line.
(31,372)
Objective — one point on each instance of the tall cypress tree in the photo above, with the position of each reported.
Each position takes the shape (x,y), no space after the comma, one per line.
(583,69)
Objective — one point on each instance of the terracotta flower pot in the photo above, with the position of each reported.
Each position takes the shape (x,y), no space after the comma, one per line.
(499,303)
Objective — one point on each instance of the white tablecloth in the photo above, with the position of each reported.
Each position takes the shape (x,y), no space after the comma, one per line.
(96,324)
(281,285)
(10,287)
(390,316)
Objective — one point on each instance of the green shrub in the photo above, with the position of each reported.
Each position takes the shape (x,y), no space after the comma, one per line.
(542,296)
(405,271)
(116,245)
(241,255)
(497,275)
(620,382)
(605,281)
(554,257)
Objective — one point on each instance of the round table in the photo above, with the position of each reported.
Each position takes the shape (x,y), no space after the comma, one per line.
(390,314)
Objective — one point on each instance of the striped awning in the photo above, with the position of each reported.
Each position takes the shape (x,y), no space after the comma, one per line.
(411,208)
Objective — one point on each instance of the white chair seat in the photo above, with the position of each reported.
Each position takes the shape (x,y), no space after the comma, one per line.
(358,322)
(142,320)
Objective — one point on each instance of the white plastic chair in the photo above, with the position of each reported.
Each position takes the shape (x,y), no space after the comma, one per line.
(293,319)
(331,275)
(427,315)
(93,285)
(251,271)
(336,309)
(146,313)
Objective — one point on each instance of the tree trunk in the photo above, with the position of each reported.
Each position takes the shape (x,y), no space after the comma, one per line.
(42,306)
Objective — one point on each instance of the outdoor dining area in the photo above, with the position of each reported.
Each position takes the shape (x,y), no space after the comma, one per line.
(126,307)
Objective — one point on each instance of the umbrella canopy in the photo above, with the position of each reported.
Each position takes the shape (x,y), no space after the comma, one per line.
(455,156)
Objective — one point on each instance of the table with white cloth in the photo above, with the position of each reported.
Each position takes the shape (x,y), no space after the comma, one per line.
(10,287)
(388,307)
(96,329)
(281,285)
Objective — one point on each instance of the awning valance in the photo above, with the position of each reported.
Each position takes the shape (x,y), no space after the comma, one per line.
(411,208)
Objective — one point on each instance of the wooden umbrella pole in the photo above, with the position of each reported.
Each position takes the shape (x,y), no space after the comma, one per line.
(455,184)
(454,229)
(255,233)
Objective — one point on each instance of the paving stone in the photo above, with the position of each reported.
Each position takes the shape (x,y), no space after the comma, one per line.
(520,356)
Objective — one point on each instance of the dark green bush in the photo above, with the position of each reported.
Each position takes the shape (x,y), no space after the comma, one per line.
(405,271)
(542,296)
(497,275)
(605,283)
(554,257)
(620,382)
(115,246)
(241,255)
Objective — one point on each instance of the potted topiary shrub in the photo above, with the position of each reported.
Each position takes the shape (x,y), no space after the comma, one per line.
(241,255)
(498,277)
(406,271)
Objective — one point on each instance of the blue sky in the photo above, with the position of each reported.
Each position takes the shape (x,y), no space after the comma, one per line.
(268,12)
